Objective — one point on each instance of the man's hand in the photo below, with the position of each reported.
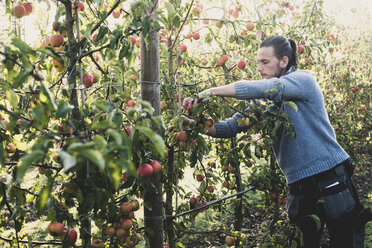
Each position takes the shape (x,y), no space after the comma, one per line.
(189,103)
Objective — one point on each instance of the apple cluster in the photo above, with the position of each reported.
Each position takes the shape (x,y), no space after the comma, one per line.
(146,170)
(123,229)
(57,229)
(52,41)
(22,10)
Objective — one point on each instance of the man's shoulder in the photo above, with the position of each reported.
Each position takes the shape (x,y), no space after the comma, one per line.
(302,75)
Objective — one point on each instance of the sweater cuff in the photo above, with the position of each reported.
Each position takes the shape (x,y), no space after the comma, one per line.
(222,131)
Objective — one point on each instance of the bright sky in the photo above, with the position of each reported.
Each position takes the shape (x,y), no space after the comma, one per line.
(347,12)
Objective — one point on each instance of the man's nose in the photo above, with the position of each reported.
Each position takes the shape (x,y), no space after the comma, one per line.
(259,68)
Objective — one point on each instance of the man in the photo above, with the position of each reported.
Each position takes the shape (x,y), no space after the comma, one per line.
(318,171)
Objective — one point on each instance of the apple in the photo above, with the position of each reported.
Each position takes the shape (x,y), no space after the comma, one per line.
(56,40)
(138,43)
(80,6)
(131,103)
(189,36)
(55,228)
(156,166)
(11,148)
(355,89)
(206,22)
(260,35)
(132,39)
(284,4)
(72,235)
(163,105)
(19,11)
(56,26)
(210,188)
(181,136)
(120,233)
(105,7)
(250,163)
(41,170)
(225,58)
(209,122)
(225,167)
(250,26)
(204,62)
(200,177)
(116,14)
(231,168)
(132,241)
(196,11)
(88,80)
(135,205)
(241,64)
(226,184)
(127,130)
(145,170)
(110,231)
(300,49)
(28,7)
(196,36)
(97,244)
(132,76)
(126,207)
(183,47)
(229,240)
(219,24)
(212,164)
(126,224)
(193,200)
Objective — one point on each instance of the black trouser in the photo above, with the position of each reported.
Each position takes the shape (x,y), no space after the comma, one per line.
(327,198)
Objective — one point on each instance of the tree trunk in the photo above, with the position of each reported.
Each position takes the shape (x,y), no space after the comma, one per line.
(150,91)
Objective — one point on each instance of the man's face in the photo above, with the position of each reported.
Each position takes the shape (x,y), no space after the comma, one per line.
(268,65)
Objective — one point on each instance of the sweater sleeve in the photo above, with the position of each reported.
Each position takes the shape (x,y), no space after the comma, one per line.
(298,85)
(229,128)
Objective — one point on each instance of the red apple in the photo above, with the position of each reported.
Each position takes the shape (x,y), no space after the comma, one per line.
(55,228)
(156,166)
(229,240)
(193,200)
(116,14)
(131,103)
(110,231)
(28,7)
(204,62)
(189,36)
(241,64)
(250,26)
(88,80)
(181,136)
(300,49)
(145,170)
(210,188)
(135,205)
(132,76)
(56,40)
(183,47)
(132,39)
(126,208)
(226,184)
(126,224)
(196,36)
(80,6)
(120,233)
(72,235)
(56,26)
(209,122)
(200,177)
(19,11)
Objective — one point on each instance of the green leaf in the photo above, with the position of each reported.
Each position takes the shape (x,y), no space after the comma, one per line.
(316,220)
(116,135)
(23,47)
(95,156)
(63,109)
(20,79)
(155,138)
(170,9)
(78,146)
(12,98)
(35,156)
(47,97)
(292,105)
(177,21)
(43,198)
(67,160)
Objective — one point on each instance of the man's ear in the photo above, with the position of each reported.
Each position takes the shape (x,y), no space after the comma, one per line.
(284,62)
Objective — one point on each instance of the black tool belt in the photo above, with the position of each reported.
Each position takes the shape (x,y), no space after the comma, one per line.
(308,183)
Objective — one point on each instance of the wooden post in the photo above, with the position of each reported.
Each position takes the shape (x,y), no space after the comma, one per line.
(150,91)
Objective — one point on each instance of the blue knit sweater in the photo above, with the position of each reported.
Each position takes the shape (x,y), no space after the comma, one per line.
(315,148)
